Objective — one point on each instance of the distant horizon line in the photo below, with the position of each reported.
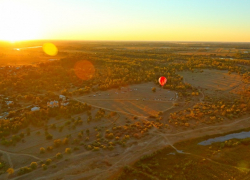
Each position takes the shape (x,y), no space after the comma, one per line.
(159,41)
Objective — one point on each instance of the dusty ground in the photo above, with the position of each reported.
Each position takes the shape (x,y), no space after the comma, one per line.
(83,164)
(135,99)
(215,83)
(212,79)
(103,164)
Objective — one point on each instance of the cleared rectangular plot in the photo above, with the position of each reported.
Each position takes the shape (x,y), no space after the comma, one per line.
(212,79)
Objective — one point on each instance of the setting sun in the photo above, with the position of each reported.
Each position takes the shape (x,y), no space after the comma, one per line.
(19,22)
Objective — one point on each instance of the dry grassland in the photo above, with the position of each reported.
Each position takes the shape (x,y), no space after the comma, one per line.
(213,79)
(137,100)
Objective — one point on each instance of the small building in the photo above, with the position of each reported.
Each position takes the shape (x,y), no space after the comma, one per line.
(62,97)
(64,103)
(35,109)
(8,102)
(53,104)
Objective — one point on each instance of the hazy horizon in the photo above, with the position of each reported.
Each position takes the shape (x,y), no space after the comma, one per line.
(82,40)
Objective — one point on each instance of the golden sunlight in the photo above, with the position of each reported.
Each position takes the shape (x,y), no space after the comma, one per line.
(19,22)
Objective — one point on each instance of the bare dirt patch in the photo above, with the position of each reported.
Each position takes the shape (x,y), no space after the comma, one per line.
(139,100)
(212,79)
(218,83)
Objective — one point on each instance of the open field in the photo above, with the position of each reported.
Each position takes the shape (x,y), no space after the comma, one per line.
(137,100)
(214,82)
(212,79)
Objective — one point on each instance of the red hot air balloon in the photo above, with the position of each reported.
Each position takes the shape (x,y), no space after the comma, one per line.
(162,80)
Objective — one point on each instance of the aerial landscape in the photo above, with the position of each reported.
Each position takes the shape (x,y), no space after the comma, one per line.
(103,99)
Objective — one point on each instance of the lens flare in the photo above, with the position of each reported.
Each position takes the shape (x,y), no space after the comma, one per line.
(84,70)
(50,49)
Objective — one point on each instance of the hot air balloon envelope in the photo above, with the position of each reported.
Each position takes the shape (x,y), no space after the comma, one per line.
(162,80)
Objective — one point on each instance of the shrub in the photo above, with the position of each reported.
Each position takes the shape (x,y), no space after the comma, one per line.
(79,135)
(126,136)
(33,165)
(76,141)
(59,155)
(44,166)
(57,142)
(110,147)
(89,147)
(96,149)
(65,141)
(48,161)
(10,171)
(109,136)
(49,136)
(24,170)
(42,150)
(98,135)
(49,148)
(68,150)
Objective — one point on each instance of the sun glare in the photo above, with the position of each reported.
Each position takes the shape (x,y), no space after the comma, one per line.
(50,49)
(19,22)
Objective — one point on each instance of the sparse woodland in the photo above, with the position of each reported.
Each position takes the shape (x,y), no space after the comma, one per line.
(38,84)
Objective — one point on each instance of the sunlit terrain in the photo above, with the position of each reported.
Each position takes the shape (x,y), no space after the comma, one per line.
(96,108)
(124,90)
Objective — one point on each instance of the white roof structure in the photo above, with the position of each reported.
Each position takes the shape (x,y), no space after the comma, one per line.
(64,103)
(35,109)
(8,102)
(53,104)
(62,97)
